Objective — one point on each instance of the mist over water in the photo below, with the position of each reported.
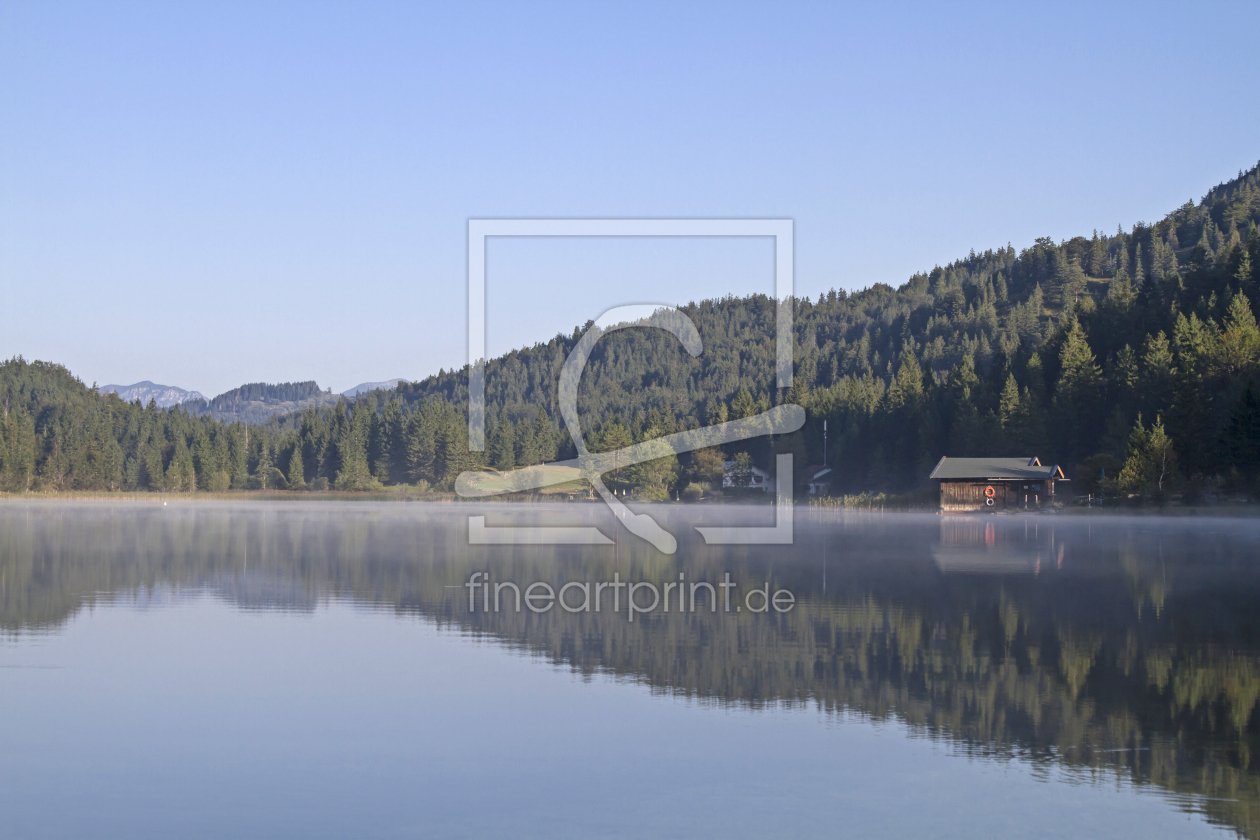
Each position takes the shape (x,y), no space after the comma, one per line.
(314,669)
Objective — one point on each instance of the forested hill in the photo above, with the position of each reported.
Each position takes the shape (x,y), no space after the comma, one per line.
(981,308)
(1132,355)
(967,359)
(258,402)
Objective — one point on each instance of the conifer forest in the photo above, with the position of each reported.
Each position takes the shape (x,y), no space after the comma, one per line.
(1132,359)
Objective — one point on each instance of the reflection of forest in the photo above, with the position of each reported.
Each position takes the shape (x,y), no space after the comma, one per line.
(1129,645)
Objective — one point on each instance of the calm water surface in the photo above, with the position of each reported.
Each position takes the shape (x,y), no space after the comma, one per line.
(315,670)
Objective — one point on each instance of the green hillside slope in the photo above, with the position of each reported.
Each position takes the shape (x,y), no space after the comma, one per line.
(1132,356)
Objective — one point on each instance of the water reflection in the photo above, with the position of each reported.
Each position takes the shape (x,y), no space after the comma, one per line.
(1128,645)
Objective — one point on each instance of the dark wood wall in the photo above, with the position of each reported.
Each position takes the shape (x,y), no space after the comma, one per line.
(968,496)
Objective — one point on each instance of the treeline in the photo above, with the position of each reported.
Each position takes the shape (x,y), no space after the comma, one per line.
(57,434)
(1131,359)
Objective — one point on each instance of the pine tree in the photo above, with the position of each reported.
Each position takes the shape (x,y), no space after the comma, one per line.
(1119,289)
(154,473)
(263,467)
(421,447)
(354,471)
(1204,248)
(1157,372)
(1077,393)
(1215,240)
(131,474)
(1253,253)
(204,462)
(1122,265)
(103,458)
(1244,276)
(1125,377)
(1008,406)
(1151,463)
(655,478)
(798,394)
(611,438)
(377,445)
(906,391)
(968,436)
(238,456)
(502,445)
(1097,257)
(1163,259)
(453,453)
(297,477)
(1232,237)
(1070,281)
(1237,351)
(527,449)
(544,439)
(743,405)
(904,413)
(1189,416)
(181,476)
(396,437)
(716,412)
(17,449)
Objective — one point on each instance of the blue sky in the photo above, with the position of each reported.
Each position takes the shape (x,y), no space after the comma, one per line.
(205,195)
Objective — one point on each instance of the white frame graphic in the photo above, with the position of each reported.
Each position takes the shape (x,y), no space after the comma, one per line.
(479,230)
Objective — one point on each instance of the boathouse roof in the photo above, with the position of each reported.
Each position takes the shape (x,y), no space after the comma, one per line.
(988,469)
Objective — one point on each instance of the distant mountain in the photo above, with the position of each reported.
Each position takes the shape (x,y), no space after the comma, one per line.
(363,387)
(257,402)
(165,395)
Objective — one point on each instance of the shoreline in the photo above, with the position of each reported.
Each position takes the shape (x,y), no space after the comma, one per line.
(1229,510)
(144,496)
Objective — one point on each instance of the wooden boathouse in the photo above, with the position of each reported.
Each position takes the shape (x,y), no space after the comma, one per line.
(989,485)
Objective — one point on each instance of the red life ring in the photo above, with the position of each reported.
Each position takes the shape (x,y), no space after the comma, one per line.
(989,491)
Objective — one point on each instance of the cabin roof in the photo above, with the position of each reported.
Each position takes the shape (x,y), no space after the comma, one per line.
(995,468)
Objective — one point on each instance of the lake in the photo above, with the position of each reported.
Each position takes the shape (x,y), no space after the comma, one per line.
(330,669)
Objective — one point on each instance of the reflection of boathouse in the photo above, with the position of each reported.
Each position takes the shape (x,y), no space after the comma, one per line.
(994,484)
(988,546)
